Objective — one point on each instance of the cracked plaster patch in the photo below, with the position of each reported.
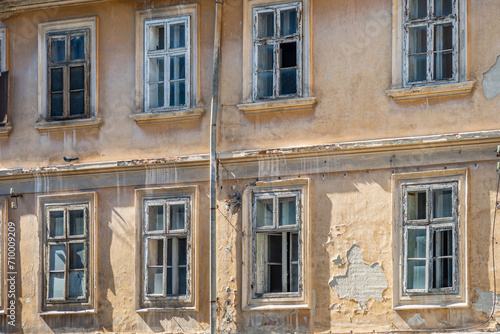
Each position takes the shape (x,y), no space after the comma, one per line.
(491,81)
(416,320)
(485,301)
(361,282)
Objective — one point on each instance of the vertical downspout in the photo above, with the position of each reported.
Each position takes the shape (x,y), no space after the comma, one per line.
(213,162)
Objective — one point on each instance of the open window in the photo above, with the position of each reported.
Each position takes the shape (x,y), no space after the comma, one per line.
(4,84)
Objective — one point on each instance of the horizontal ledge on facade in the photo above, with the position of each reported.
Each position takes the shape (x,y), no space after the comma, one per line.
(430,306)
(73,124)
(166,308)
(422,92)
(296,104)
(275,307)
(12,6)
(63,312)
(168,116)
(5,131)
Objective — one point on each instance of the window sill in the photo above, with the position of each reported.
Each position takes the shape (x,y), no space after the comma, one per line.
(164,309)
(62,312)
(430,306)
(298,104)
(423,92)
(5,131)
(168,116)
(275,307)
(74,124)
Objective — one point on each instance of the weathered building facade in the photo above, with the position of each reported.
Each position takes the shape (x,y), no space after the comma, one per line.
(355,156)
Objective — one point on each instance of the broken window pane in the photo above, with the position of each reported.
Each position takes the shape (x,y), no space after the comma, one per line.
(76,256)
(417,205)
(417,240)
(443,243)
(442,201)
(416,274)
(155,281)
(57,257)
(76,222)
(156,38)
(56,223)
(287,211)
(288,55)
(77,47)
(265,24)
(57,51)
(76,284)
(417,9)
(264,212)
(443,7)
(177,36)
(275,263)
(56,285)
(177,216)
(288,21)
(155,214)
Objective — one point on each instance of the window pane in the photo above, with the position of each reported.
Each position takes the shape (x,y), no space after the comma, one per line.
(156,69)
(443,243)
(177,93)
(77,78)
(57,50)
(155,281)
(177,67)
(443,7)
(56,223)
(177,36)
(443,39)
(76,222)
(443,66)
(155,214)
(155,252)
(288,55)
(417,240)
(265,84)
(177,217)
(416,275)
(418,9)
(56,80)
(442,270)
(442,203)
(417,205)
(156,38)
(294,247)
(169,252)
(264,212)
(76,256)
(169,281)
(417,39)
(274,248)
(265,57)
(275,279)
(56,105)
(182,281)
(294,278)
(182,251)
(156,95)
(76,284)
(288,21)
(77,47)
(287,211)
(265,25)
(56,285)
(57,257)
(77,103)
(288,81)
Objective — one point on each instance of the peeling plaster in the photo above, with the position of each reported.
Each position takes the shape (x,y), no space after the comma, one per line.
(485,301)
(361,282)
(416,320)
(491,81)
(338,261)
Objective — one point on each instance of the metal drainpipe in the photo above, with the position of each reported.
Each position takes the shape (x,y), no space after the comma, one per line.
(213,163)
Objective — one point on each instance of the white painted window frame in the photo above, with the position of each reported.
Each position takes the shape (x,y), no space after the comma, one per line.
(47,203)
(457,296)
(187,195)
(276,300)
(89,23)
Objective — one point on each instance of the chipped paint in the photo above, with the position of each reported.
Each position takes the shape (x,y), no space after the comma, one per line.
(361,282)
(491,81)
(485,301)
(416,320)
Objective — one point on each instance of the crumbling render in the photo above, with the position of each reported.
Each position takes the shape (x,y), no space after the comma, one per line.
(361,282)
(485,302)
(491,81)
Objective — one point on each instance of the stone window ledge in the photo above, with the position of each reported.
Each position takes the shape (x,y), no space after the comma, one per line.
(5,131)
(69,312)
(422,92)
(74,124)
(168,116)
(298,104)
